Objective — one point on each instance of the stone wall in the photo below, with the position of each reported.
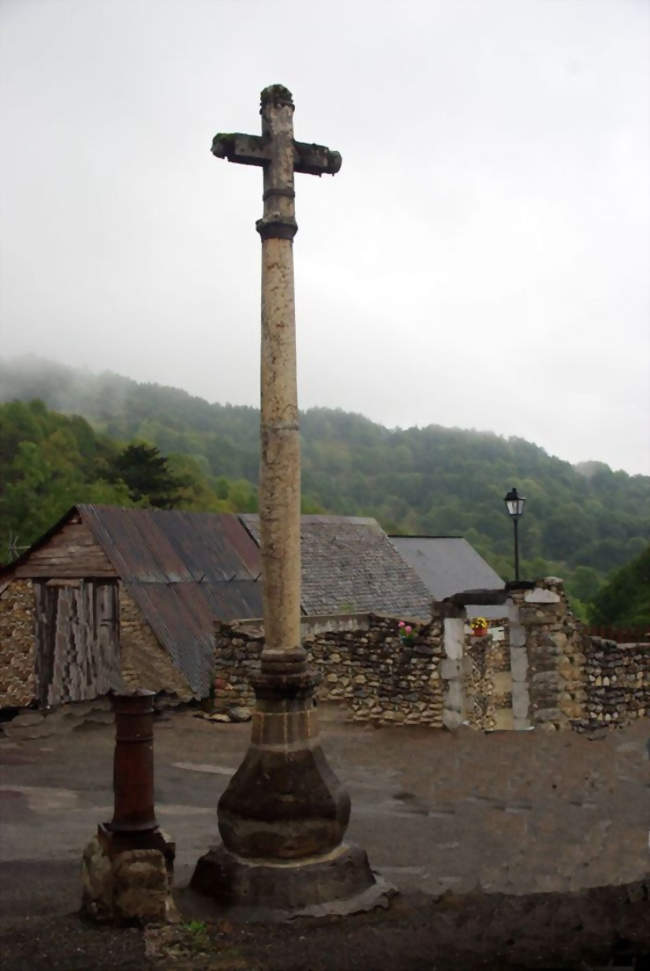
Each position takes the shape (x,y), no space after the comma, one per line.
(535,668)
(363,663)
(17,645)
(555,644)
(143,662)
(488,678)
(617,685)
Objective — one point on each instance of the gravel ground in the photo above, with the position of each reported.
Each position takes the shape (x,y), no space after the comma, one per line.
(495,842)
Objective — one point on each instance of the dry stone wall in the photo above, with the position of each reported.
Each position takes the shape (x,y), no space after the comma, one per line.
(17,645)
(364,665)
(535,668)
(617,685)
(488,678)
(143,662)
(555,644)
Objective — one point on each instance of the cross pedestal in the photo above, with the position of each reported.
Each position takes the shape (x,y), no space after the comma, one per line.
(284,813)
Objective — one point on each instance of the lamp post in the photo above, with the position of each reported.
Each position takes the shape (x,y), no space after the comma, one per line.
(515,507)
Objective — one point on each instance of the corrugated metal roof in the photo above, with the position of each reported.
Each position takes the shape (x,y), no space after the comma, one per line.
(184,570)
(173,546)
(182,617)
(446,564)
(349,565)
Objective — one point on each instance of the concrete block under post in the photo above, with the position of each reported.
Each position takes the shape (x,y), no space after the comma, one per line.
(127,868)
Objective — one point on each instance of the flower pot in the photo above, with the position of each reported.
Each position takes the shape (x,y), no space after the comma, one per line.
(480,632)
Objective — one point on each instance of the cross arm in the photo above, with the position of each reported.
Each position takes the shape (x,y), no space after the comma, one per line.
(255,150)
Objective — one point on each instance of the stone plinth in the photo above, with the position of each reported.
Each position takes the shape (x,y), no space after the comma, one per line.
(121,884)
(284,802)
(282,820)
(340,882)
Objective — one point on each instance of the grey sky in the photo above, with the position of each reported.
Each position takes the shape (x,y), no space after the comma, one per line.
(481,260)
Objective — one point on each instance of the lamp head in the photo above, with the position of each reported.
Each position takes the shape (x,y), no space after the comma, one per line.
(514,504)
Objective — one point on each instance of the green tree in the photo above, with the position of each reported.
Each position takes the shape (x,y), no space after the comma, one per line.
(147,476)
(585,583)
(624,601)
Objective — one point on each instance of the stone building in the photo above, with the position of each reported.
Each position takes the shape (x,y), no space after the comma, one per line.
(113,598)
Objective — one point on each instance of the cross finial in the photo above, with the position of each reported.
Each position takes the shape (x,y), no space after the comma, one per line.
(278,95)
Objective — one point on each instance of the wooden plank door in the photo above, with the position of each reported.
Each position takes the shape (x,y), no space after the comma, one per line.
(77,631)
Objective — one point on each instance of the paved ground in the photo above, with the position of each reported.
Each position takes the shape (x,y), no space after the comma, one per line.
(509,813)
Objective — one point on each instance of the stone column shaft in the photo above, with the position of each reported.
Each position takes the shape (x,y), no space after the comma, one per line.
(279,492)
(280,437)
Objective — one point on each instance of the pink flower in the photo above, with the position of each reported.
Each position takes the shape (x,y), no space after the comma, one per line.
(401,623)
(408,629)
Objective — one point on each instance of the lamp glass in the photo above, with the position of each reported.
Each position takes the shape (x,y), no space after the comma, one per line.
(514,504)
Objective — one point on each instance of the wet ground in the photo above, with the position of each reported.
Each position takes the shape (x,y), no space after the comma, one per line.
(439,814)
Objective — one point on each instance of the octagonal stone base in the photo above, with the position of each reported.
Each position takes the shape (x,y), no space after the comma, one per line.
(338,883)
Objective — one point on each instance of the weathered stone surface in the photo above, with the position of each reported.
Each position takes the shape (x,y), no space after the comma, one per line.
(454,696)
(520,701)
(97,881)
(541,595)
(134,885)
(518,663)
(450,668)
(367,669)
(17,645)
(502,682)
(452,719)
(503,720)
(143,662)
(338,883)
(517,634)
(240,714)
(140,886)
(284,802)
(454,637)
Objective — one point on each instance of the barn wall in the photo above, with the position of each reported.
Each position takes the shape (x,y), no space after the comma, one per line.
(17,646)
(144,663)
(71,552)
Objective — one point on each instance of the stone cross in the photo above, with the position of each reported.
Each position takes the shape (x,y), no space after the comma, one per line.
(279,492)
(284,813)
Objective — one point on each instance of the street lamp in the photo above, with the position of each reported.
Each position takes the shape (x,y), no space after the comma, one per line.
(515,506)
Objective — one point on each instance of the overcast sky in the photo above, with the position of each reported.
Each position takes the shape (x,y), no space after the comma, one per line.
(481,259)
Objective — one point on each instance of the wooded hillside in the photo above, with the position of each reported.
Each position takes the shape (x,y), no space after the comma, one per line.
(580,521)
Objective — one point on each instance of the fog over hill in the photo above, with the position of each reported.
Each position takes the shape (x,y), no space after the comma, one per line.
(433,480)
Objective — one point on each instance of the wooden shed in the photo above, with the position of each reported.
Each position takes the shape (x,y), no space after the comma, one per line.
(114,598)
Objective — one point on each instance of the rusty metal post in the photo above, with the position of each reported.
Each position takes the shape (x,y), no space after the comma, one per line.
(128,867)
(133,764)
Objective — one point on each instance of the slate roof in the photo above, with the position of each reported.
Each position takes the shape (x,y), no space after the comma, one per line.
(350,565)
(446,564)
